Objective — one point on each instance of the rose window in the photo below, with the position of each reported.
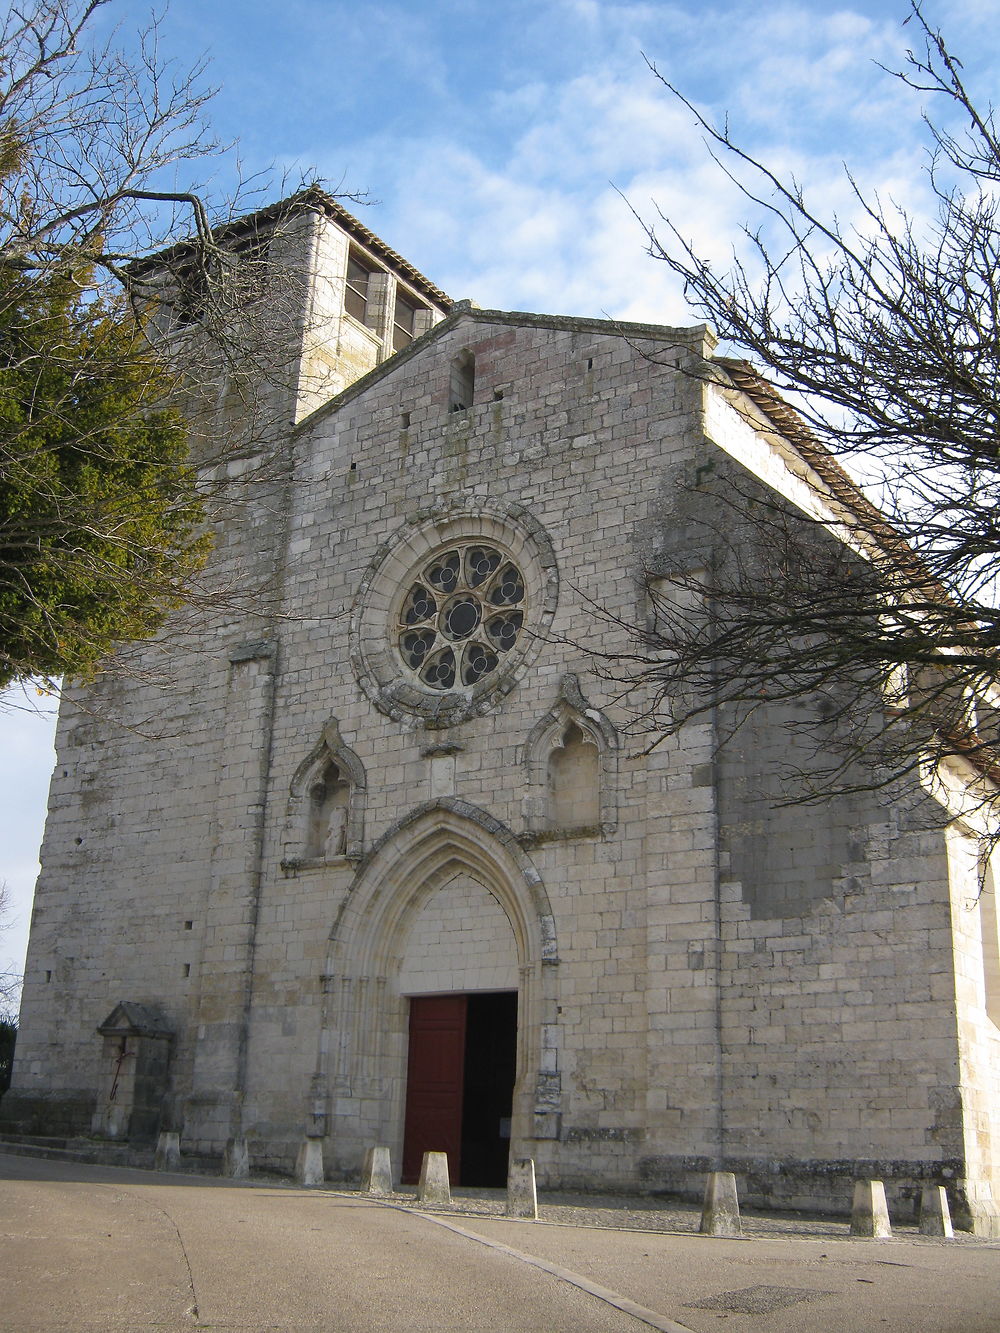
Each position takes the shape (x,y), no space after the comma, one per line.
(460,616)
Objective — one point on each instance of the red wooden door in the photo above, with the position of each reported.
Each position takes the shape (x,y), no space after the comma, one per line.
(434,1080)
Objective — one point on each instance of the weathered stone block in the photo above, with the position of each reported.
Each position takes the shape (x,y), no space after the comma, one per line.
(720,1213)
(435,1184)
(376,1174)
(309,1162)
(935,1215)
(522,1199)
(869,1211)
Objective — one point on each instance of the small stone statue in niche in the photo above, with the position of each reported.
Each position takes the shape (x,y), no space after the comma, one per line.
(336,832)
(328,810)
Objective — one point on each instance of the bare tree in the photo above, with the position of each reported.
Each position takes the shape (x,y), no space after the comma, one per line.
(875,628)
(106,232)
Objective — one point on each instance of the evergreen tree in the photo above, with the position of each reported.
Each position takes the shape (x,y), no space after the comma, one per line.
(100,517)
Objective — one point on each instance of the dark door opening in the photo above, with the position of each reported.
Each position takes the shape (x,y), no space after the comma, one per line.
(460,1085)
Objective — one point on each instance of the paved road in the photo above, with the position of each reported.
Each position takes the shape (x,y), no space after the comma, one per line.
(89,1248)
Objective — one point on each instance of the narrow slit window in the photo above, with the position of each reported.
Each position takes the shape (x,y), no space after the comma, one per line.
(356,292)
(404,315)
(191,292)
(463,382)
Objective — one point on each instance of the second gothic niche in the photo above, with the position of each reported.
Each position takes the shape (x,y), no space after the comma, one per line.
(571,760)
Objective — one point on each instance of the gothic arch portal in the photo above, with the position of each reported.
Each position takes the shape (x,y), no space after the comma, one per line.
(361,1066)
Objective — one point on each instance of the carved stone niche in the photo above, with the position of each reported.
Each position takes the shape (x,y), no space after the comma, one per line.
(571,759)
(134,1074)
(325,817)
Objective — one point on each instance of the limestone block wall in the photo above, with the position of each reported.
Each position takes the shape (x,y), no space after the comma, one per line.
(838,1046)
(848,918)
(837,965)
(120,905)
(704,1007)
(144,782)
(151,780)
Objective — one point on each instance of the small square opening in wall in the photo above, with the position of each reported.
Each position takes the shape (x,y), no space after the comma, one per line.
(189,925)
(187,970)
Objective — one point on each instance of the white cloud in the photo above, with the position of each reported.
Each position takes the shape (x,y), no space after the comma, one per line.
(536,222)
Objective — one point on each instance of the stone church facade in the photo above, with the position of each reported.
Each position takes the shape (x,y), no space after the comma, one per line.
(384,864)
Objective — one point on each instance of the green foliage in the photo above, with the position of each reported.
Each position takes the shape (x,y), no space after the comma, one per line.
(101,525)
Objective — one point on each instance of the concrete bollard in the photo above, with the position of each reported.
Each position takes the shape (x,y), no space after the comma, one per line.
(720,1214)
(935,1215)
(168,1152)
(236,1159)
(435,1186)
(869,1211)
(309,1163)
(522,1200)
(376,1174)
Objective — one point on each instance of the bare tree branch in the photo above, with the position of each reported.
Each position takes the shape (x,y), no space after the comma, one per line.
(877,630)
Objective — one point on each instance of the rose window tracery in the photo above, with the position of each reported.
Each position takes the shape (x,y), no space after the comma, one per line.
(460,616)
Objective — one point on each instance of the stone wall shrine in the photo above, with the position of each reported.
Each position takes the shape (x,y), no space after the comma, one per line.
(378,861)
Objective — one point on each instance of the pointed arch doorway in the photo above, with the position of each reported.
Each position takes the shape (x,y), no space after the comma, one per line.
(446,905)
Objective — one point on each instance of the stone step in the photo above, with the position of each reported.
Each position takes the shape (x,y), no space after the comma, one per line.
(100,1153)
(42,1140)
(76,1150)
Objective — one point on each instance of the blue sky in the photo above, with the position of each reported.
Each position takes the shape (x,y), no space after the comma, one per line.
(496,140)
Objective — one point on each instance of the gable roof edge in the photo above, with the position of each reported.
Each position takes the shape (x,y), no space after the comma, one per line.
(469,311)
